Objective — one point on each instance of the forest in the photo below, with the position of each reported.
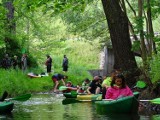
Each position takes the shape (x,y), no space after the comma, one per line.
(80,29)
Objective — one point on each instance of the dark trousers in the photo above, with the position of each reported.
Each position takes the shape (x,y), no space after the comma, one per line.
(103,92)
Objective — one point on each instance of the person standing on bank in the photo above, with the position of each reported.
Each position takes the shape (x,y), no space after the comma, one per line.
(6,62)
(24,62)
(65,63)
(48,63)
(15,62)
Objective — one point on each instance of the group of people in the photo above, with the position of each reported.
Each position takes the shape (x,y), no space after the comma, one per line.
(48,64)
(8,62)
(111,87)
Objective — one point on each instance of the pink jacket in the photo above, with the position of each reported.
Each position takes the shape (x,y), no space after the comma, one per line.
(115,92)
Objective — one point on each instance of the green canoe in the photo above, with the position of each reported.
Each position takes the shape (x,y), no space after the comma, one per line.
(123,105)
(70,95)
(6,107)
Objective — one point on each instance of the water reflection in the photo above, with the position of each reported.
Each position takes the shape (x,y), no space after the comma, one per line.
(56,107)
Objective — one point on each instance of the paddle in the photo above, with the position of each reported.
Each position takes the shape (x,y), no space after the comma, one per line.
(140,84)
(61,88)
(155,101)
(20,98)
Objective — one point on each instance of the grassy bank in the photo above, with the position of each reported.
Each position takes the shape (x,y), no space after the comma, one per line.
(82,57)
(16,82)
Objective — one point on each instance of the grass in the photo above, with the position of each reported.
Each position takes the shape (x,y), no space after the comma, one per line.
(82,57)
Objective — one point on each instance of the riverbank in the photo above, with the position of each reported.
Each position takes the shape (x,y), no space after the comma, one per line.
(15,82)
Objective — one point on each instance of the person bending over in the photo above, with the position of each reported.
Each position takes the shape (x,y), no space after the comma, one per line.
(56,79)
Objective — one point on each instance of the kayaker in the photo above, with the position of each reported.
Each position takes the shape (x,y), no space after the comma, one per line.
(118,88)
(84,87)
(56,78)
(106,83)
(95,86)
(70,88)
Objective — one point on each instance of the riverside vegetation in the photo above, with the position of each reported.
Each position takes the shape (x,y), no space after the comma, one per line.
(81,59)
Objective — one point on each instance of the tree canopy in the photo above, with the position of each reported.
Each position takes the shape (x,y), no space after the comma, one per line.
(38,23)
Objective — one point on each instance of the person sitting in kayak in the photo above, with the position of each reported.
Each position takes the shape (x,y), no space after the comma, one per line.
(85,85)
(70,87)
(118,88)
(106,83)
(56,78)
(95,86)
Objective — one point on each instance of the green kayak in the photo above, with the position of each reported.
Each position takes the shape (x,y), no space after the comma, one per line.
(6,107)
(123,105)
(70,95)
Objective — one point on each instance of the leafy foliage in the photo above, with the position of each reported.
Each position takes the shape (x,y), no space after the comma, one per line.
(155,68)
(90,24)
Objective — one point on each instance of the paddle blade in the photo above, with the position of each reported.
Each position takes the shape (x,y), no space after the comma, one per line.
(61,88)
(141,84)
(155,101)
(22,97)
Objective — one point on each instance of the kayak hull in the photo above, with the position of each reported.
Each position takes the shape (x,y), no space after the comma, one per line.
(92,97)
(6,107)
(69,95)
(123,105)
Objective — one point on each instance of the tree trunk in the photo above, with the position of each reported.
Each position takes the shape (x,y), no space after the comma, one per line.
(143,46)
(119,33)
(10,27)
(152,47)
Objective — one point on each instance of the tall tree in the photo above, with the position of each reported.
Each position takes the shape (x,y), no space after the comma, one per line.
(10,26)
(120,37)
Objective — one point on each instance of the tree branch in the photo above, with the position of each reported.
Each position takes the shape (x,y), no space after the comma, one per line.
(131,8)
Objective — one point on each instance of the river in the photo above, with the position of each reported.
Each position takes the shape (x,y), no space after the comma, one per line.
(48,106)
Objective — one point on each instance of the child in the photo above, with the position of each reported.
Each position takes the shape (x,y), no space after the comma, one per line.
(118,88)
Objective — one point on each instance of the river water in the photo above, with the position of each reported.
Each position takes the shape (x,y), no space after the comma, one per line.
(50,106)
